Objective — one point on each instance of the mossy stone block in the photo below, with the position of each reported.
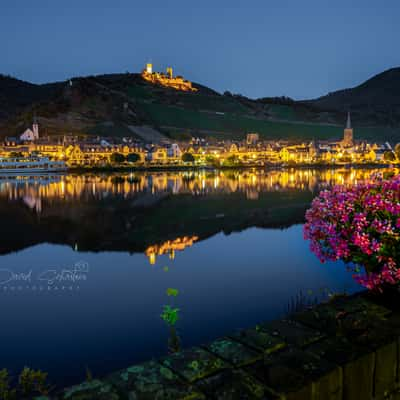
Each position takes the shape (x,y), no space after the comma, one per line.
(361,302)
(394,396)
(365,330)
(293,371)
(232,385)
(233,352)
(280,380)
(91,390)
(337,350)
(292,332)
(358,378)
(311,367)
(194,363)
(329,386)
(152,380)
(385,369)
(259,340)
(322,318)
(344,316)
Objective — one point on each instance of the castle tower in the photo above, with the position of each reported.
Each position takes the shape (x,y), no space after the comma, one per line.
(348,132)
(149,68)
(169,72)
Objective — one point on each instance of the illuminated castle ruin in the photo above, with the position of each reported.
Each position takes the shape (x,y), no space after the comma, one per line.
(168,79)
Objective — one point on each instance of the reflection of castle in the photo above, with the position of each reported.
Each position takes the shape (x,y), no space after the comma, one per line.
(168,79)
(170,246)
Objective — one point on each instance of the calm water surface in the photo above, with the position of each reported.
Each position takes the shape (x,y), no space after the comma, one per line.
(231,241)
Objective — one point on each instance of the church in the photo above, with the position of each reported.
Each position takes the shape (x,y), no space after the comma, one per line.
(30,135)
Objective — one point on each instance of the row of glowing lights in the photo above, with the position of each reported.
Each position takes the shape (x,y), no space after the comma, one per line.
(75,186)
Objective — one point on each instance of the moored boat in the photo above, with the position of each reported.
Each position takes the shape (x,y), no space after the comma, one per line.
(30,165)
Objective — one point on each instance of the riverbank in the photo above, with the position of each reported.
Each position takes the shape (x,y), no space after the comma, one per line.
(268,167)
(347,348)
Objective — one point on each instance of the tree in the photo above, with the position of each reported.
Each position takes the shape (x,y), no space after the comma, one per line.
(232,160)
(187,157)
(133,157)
(389,156)
(397,150)
(117,158)
(210,159)
(16,154)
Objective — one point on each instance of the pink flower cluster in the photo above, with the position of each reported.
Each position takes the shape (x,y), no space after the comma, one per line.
(361,226)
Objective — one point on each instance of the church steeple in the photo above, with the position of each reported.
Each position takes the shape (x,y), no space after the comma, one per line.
(348,140)
(35,127)
(348,123)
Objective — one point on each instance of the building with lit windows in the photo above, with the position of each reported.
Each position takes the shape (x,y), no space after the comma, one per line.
(167,80)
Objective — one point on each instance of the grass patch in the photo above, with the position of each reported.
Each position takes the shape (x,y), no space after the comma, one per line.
(236,126)
(110,130)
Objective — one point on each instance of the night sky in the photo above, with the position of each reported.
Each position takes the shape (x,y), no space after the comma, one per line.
(299,48)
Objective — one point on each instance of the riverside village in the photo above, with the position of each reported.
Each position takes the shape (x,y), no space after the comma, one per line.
(253,150)
(107,151)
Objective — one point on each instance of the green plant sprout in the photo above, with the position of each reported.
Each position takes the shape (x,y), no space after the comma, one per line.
(170,315)
(172,292)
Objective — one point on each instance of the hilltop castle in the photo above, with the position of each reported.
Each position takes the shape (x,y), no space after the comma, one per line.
(168,79)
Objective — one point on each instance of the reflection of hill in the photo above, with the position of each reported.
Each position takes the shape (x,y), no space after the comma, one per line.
(120,224)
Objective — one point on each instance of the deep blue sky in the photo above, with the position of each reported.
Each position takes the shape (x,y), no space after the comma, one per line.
(297,48)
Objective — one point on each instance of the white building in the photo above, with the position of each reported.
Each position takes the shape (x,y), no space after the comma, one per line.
(31,135)
(173,151)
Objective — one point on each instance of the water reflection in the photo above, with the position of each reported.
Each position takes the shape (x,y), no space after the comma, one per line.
(70,187)
(159,212)
(169,247)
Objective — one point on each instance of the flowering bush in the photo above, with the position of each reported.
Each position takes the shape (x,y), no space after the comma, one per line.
(361,226)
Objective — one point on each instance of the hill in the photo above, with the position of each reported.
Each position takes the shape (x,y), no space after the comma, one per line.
(125,105)
(74,106)
(375,102)
(15,95)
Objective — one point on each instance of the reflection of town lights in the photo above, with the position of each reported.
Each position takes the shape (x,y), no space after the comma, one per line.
(152,258)
(215,182)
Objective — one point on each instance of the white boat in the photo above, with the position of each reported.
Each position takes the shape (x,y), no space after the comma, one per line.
(30,165)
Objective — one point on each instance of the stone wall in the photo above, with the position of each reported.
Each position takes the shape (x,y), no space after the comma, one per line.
(345,349)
